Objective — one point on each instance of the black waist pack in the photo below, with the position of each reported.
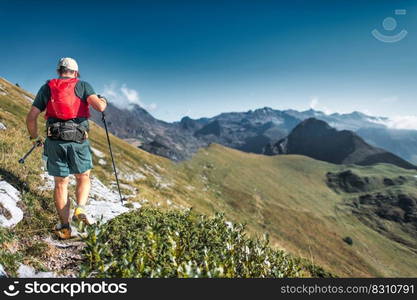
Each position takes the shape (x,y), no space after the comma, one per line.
(67,131)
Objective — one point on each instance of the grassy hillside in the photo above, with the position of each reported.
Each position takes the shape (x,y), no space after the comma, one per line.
(287,197)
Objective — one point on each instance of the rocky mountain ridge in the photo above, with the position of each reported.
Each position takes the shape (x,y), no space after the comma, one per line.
(251,131)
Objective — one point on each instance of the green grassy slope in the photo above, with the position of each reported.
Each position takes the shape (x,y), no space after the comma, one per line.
(288,197)
(285,196)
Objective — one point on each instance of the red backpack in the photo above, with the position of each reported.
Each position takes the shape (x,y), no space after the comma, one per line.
(64,103)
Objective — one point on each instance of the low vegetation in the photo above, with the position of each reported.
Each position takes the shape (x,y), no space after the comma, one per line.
(153,243)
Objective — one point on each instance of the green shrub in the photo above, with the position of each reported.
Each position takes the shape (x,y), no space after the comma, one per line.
(348,240)
(153,243)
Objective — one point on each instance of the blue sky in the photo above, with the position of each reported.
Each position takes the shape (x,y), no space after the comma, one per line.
(200,58)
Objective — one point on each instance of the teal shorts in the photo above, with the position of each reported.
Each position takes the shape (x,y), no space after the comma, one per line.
(65,158)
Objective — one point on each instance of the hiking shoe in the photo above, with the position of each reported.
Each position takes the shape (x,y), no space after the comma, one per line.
(81,216)
(63,232)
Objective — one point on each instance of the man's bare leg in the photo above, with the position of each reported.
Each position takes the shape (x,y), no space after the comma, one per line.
(83,188)
(61,199)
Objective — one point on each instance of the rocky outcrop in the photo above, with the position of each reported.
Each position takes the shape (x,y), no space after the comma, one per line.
(25,271)
(3,91)
(350,182)
(379,203)
(395,207)
(3,273)
(10,212)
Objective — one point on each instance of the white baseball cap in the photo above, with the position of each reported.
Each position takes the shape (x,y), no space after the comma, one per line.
(68,63)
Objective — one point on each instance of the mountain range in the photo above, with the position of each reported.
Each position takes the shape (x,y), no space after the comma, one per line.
(251,131)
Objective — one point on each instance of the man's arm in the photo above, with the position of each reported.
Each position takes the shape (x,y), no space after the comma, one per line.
(97,103)
(39,105)
(31,122)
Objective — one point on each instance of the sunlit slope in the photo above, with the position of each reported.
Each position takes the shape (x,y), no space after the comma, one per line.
(288,197)
(285,196)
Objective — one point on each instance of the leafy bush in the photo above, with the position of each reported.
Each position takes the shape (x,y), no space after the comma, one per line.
(152,243)
(348,240)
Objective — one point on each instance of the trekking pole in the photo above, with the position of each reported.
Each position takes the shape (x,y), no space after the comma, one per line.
(103,118)
(22,160)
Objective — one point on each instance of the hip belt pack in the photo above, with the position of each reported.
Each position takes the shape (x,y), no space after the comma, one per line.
(67,131)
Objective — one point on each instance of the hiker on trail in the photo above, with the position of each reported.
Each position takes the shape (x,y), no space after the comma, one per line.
(66,100)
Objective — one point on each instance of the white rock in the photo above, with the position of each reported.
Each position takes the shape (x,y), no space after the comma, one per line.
(9,197)
(2,126)
(164,185)
(97,152)
(149,168)
(105,210)
(102,162)
(29,99)
(25,271)
(159,167)
(136,205)
(100,192)
(143,170)
(131,177)
(105,204)
(2,272)
(229,224)
(3,90)
(49,182)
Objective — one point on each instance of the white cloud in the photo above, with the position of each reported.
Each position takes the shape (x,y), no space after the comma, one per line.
(152,106)
(399,122)
(315,104)
(124,97)
(131,95)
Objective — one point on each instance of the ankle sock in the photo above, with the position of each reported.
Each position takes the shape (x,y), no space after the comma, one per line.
(66,226)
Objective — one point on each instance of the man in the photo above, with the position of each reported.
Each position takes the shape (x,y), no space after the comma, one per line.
(66,101)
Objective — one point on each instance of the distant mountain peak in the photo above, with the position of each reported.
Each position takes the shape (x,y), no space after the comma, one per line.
(265,108)
(315,123)
(317,139)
